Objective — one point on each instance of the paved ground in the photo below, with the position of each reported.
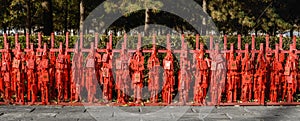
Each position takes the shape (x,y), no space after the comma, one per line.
(181,113)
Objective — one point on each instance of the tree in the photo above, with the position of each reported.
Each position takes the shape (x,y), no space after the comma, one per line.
(28,16)
(266,17)
(242,17)
(130,7)
(81,9)
(290,12)
(5,14)
(47,17)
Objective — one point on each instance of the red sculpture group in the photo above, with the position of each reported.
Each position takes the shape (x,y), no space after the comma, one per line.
(210,77)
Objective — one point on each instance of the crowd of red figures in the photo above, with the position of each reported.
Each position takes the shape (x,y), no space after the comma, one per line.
(40,75)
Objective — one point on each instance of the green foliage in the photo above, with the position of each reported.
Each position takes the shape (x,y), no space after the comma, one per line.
(243,17)
(130,7)
(286,41)
(147,41)
(34,40)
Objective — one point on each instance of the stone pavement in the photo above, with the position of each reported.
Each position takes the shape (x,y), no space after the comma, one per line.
(173,113)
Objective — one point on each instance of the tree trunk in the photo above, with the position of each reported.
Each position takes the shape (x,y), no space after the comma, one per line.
(5,28)
(8,31)
(181,29)
(25,30)
(115,31)
(47,17)
(5,12)
(274,31)
(256,31)
(81,7)
(204,7)
(106,32)
(147,19)
(292,32)
(66,7)
(28,16)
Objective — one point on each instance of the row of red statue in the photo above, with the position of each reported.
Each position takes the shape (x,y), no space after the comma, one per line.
(42,74)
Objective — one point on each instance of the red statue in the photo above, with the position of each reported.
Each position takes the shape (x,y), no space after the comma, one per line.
(76,76)
(107,75)
(17,74)
(184,76)
(6,68)
(44,77)
(218,75)
(66,83)
(169,80)
(98,66)
(232,77)
(260,77)
(31,77)
(52,71)
(59,75)
(38,73)
(119,79)
(80,80)
(290,72)
(91,81)
(201,76)
(276,76)
(122,77)
(153,81)
(283,82)
(137,66)
(73,78)
(247,77)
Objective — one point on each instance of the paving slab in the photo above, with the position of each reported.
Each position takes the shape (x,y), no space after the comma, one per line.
(8,109)
(144,113)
